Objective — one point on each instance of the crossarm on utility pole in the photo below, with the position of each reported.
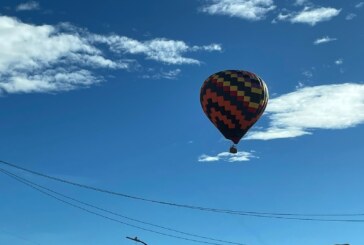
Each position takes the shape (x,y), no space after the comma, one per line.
(136,239)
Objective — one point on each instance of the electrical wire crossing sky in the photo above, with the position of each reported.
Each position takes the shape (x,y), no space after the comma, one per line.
(102,134)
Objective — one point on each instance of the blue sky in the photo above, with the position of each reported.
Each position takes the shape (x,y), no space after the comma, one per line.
(106,93)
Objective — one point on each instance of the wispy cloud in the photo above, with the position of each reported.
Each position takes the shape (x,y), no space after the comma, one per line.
(307,74)
(31,5)
(339,61)
(241,156)
(45,58)
(309,15)
(325,39)
(298,113)
(350,16)
(159,49)
(300,85)
(171,74)
(245,9)
(359,5)
(50,80)
(312,16)
(300,2)
(282,17)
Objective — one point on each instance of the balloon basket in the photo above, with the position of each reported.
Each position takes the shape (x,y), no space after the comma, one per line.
(233,149)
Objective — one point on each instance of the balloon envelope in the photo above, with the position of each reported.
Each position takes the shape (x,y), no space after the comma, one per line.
(233,100)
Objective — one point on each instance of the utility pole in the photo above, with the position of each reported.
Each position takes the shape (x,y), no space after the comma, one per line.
(136,239)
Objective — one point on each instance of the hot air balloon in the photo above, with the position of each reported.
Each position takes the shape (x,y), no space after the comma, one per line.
(233,100)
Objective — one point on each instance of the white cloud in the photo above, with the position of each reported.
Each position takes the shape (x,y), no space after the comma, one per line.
(350,16)
(211,47)
(295,114)
(283,16)
(359,5)
(159,49)
(276,133)
(48,81)
(300,2)
(45,58)
(245,9)
(207,158)
(309,15)
(171,74)
(339,61)
(31,5)
(307,74)
(241,156)
(325,39)
(300,85)
(312,16)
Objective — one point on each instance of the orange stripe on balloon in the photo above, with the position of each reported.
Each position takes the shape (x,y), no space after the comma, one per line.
(226,105)
(217,115)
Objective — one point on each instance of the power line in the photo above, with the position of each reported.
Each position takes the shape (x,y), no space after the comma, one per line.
(272,215)
(111,212)
(18,237)
(47,190)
